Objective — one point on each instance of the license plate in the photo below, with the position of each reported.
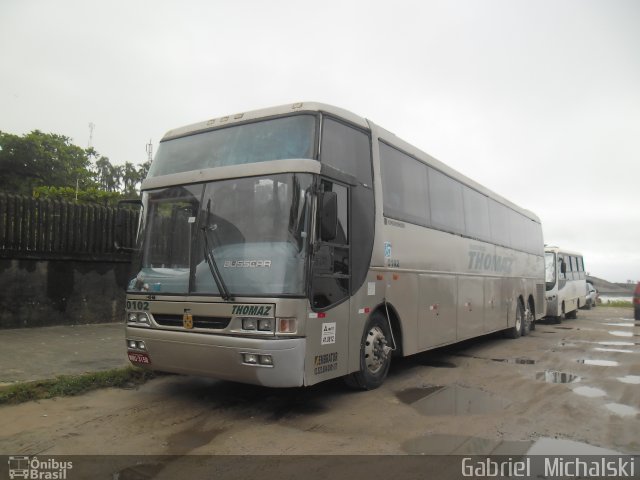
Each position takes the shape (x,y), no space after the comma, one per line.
(137,357)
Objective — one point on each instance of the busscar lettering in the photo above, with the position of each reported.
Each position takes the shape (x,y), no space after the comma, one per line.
(255,310)
(247,263)
(327,362)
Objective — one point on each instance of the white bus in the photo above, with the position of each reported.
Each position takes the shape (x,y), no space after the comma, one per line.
(565,283)
(287,246)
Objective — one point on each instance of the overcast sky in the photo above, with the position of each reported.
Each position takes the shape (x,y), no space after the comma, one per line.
(537,100)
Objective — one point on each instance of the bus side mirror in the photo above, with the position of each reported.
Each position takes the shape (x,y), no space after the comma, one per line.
(328,216)
(563,267)
(126,222)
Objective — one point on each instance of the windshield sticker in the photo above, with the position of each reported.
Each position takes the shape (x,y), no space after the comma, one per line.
(328,333)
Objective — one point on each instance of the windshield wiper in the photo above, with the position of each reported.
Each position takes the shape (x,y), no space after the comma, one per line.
(210,259)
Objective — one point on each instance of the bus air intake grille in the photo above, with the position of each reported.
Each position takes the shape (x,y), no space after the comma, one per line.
(213,323)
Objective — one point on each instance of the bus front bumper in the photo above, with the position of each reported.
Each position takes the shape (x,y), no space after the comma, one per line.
(219,356)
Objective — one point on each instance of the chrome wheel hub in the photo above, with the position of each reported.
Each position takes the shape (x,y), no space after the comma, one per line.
(376,350)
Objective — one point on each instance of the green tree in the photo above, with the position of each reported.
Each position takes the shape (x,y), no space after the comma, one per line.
(41,159)
(47,165)
(107,176)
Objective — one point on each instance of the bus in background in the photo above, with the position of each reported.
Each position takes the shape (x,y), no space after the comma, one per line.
(288,246)
(566,283)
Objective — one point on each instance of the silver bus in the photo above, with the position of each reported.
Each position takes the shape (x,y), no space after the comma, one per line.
(565,283)
(291,245)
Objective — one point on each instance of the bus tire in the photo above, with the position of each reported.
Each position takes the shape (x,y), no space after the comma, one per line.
(517,330)
(375,355)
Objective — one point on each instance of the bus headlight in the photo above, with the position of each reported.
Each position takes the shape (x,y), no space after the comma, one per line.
(263,360)
(259,324)
(138,317)
(249,324)
(250,358)
(264,325)
(136,345)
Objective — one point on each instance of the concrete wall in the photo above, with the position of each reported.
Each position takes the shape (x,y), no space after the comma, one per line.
(61,292)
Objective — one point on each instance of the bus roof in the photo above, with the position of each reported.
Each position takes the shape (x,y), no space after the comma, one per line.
(385,135)
(240,117)
(553,248)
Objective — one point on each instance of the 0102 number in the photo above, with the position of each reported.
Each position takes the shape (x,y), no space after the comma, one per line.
(137,305)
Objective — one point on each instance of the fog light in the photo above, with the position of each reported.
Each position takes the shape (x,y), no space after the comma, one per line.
(248,323)
(141,346)
(264,324)
(132,317)
(250,358)
(131,343)
(266,360)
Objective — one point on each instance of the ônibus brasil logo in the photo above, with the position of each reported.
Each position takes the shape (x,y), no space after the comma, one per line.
(21,466)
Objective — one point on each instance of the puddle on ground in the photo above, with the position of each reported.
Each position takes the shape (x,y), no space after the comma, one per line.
(560,446)
(622,410)
(632,379)
(599,363)
(591,392)
(518,361)
(452,400)
(183,442)
(442,444)
(411,395)
(616,343)
(564,328)
(622,333)
(621,324)
(552,376)
(615,350)
(436,363)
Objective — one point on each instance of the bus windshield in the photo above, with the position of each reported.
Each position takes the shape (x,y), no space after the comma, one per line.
(274,139)
(253,230)
(550,270)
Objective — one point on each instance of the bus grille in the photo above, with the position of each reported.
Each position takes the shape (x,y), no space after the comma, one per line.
(214,323)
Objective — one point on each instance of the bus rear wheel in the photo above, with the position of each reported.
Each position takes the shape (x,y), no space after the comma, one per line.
(375,355)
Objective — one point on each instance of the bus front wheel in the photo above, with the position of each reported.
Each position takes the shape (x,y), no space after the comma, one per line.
(375,355)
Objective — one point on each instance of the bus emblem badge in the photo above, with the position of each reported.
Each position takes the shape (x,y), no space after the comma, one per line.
(187,319)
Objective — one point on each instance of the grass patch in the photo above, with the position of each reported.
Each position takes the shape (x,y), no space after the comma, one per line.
(68,385)
(616,303)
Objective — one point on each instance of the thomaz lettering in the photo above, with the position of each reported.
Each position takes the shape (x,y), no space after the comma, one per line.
(486,261)
(258,310)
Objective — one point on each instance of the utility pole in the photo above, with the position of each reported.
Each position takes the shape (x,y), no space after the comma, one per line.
(91,127)
(89,145)
(149,151)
